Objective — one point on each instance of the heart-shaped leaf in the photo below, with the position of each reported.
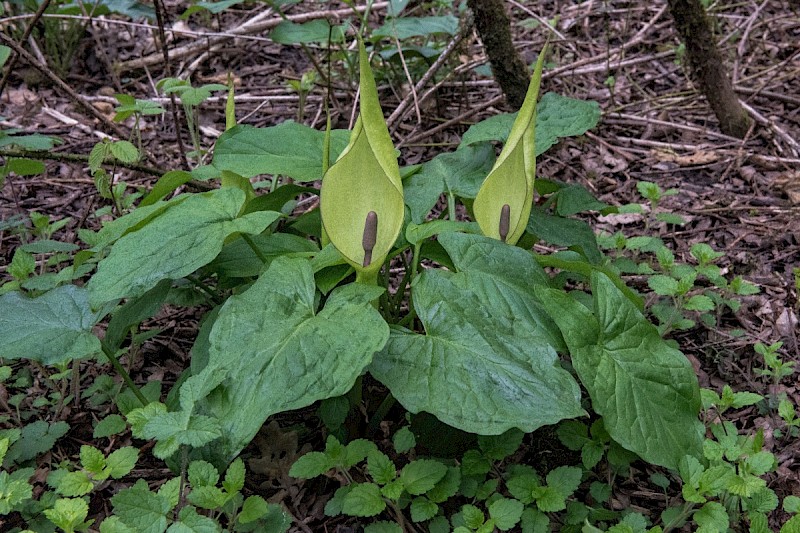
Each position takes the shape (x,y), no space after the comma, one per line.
(271,351)
(175,243)
(645,390)
(475,370)
(51,329)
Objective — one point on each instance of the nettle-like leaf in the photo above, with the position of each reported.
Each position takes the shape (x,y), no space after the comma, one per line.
(181,239)
(645,390)
(361,200)
(503,203)
(52,329)
(272,351)
(486,363)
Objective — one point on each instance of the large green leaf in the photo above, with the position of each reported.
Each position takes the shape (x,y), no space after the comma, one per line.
(556,116)
(645,390)
(472,370)
(364,185)
(503,278)
(460,172)
(238,260)
(51,329)
(313,31)
(288,149)
(503,203)
(406,27)
(174,244)
(270,351)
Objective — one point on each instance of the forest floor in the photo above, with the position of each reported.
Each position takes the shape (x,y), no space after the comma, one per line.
(740,197)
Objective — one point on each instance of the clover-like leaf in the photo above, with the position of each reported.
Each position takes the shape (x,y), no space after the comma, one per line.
(503,204)
(361,200)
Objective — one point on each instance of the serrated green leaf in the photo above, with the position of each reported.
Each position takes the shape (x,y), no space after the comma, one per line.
(253,508)
(763,501)
(573,434)
(403,440)
(74,484)
(509,185)
(108,426)
(357,450)
(534,521)
(447,487)
(141,509)
(663,285)
(423,509)
(699,302)
(92,459)
(506,513)
(174,244)
(52,329)
(421,475)
(202,473)
(363,499)
(564,479)
(550,500)
(234,477)
(113,524)
(591,454)
(68,514)
(311,465)
(744,399)
(305,355)
(393,490)
(125,151)
(119,463)
(208,497)
(498,447)
(381,469)
(645,390)
(473,517)
(365,179)
(35,438)
(22,265)
(791,504)
(189,521)
(523,483)
(180,427)
(713,516)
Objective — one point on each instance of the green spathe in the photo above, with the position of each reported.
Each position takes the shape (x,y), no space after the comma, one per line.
(365,179)
(646,391)
(510,183)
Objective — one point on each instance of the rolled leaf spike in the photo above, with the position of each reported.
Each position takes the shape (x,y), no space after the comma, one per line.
(363,187)
(502,206)
(370,236)
(505,221)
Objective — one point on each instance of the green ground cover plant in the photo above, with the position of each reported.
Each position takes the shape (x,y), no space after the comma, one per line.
(489,337)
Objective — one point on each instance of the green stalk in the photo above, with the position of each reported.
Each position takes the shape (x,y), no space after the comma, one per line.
(251,243)
(109,353)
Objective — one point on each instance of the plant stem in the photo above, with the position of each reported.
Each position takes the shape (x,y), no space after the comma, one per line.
(387,403)
(109,353)
(202,286)
(251,243)
(451,206)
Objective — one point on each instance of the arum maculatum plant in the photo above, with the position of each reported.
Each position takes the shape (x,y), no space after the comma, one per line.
(361,201)
(504,201)
(482,337)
